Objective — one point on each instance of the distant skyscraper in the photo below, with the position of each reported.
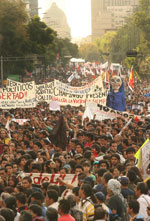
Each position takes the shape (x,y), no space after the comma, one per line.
(56,19)
(108,15)
(32,7)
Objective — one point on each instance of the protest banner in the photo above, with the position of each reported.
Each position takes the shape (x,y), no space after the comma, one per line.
(90,87)
(144,159)
(54,106)
(44,92)
(20,121)
(17,95)
(102,112)
(39,178)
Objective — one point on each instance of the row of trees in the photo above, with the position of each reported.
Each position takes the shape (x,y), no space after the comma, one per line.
(133,36)
(24,40)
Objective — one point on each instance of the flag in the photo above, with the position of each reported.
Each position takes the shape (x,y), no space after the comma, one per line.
(58,135)
(131,80)
(137,154)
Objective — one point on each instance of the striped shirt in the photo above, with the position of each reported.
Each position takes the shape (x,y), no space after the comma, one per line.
(87,208)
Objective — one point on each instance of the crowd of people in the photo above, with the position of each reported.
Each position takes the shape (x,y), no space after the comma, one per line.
(100,153)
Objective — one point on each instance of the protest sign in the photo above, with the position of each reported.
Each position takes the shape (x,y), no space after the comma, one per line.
(44,92)
(144,158)
(39,178)
(102,112)
(17,95)
(54,106)
(20,121)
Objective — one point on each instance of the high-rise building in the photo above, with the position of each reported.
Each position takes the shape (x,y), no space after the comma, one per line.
(108,15)
(32,7)
(56,19)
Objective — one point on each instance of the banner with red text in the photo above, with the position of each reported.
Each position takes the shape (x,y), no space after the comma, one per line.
(39,178)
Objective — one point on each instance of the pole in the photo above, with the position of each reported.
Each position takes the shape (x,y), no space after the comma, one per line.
(2,70)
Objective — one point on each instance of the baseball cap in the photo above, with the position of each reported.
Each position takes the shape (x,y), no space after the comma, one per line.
(100,196)
(88,180)
(123,180)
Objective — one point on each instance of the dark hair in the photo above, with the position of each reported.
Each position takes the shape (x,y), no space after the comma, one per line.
(37,196)
(27,164)
(87,189)
(36,166)
(28,178)
(104,161)
(10,203)
(21,197)
(135,206)
(52,194)
(75,190)
(107,176)
(51,214)
(99,213)
(64,206)
(101,172)
(54,187)
(142,187)
(25,216)
(116,156)
(37,209)
(7,213)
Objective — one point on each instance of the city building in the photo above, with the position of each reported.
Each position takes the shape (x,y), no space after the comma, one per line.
(56,19)
(32,7)
(109,15)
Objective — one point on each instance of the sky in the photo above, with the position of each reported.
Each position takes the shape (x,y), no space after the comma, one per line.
(78,14)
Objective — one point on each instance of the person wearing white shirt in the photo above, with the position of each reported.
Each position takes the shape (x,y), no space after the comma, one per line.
(143,199)
(51,199)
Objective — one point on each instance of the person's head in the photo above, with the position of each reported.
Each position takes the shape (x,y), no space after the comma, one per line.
(63,207)
(113,187)
(51,214)
(103,164)
(72,200)
(9,169)
(7,213)
(20,199)
(133,208)
(115,159)
(100,173)
(51,197)
(85,190)
(86,167)
(37,196)
(78,169)
(141,188)
(27,182)
(99,214)
(113,146)
(100,197)
(25,216)
(10,202)
(130,153)
(106,177)
(35,210)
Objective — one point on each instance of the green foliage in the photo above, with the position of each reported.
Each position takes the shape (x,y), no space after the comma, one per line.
(89,51)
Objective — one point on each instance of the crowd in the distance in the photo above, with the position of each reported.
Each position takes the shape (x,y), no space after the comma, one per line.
(109,184)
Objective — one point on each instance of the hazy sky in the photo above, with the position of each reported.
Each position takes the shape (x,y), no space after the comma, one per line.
(78,14)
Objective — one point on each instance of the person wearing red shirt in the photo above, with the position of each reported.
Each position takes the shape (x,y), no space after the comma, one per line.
(63,210)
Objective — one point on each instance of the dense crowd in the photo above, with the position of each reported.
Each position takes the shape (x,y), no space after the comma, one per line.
(100,153)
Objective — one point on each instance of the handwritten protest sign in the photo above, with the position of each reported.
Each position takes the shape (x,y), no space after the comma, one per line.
(44,92)
(102,112)
(39,178)
(17,95)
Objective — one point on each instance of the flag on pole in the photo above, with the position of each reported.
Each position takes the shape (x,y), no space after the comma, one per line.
(131,80)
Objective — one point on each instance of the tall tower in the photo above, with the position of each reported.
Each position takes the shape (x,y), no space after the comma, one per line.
(108,15)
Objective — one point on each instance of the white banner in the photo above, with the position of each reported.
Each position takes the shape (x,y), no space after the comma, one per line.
(18,95)
(44,92)
(39,178)
(103,112)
